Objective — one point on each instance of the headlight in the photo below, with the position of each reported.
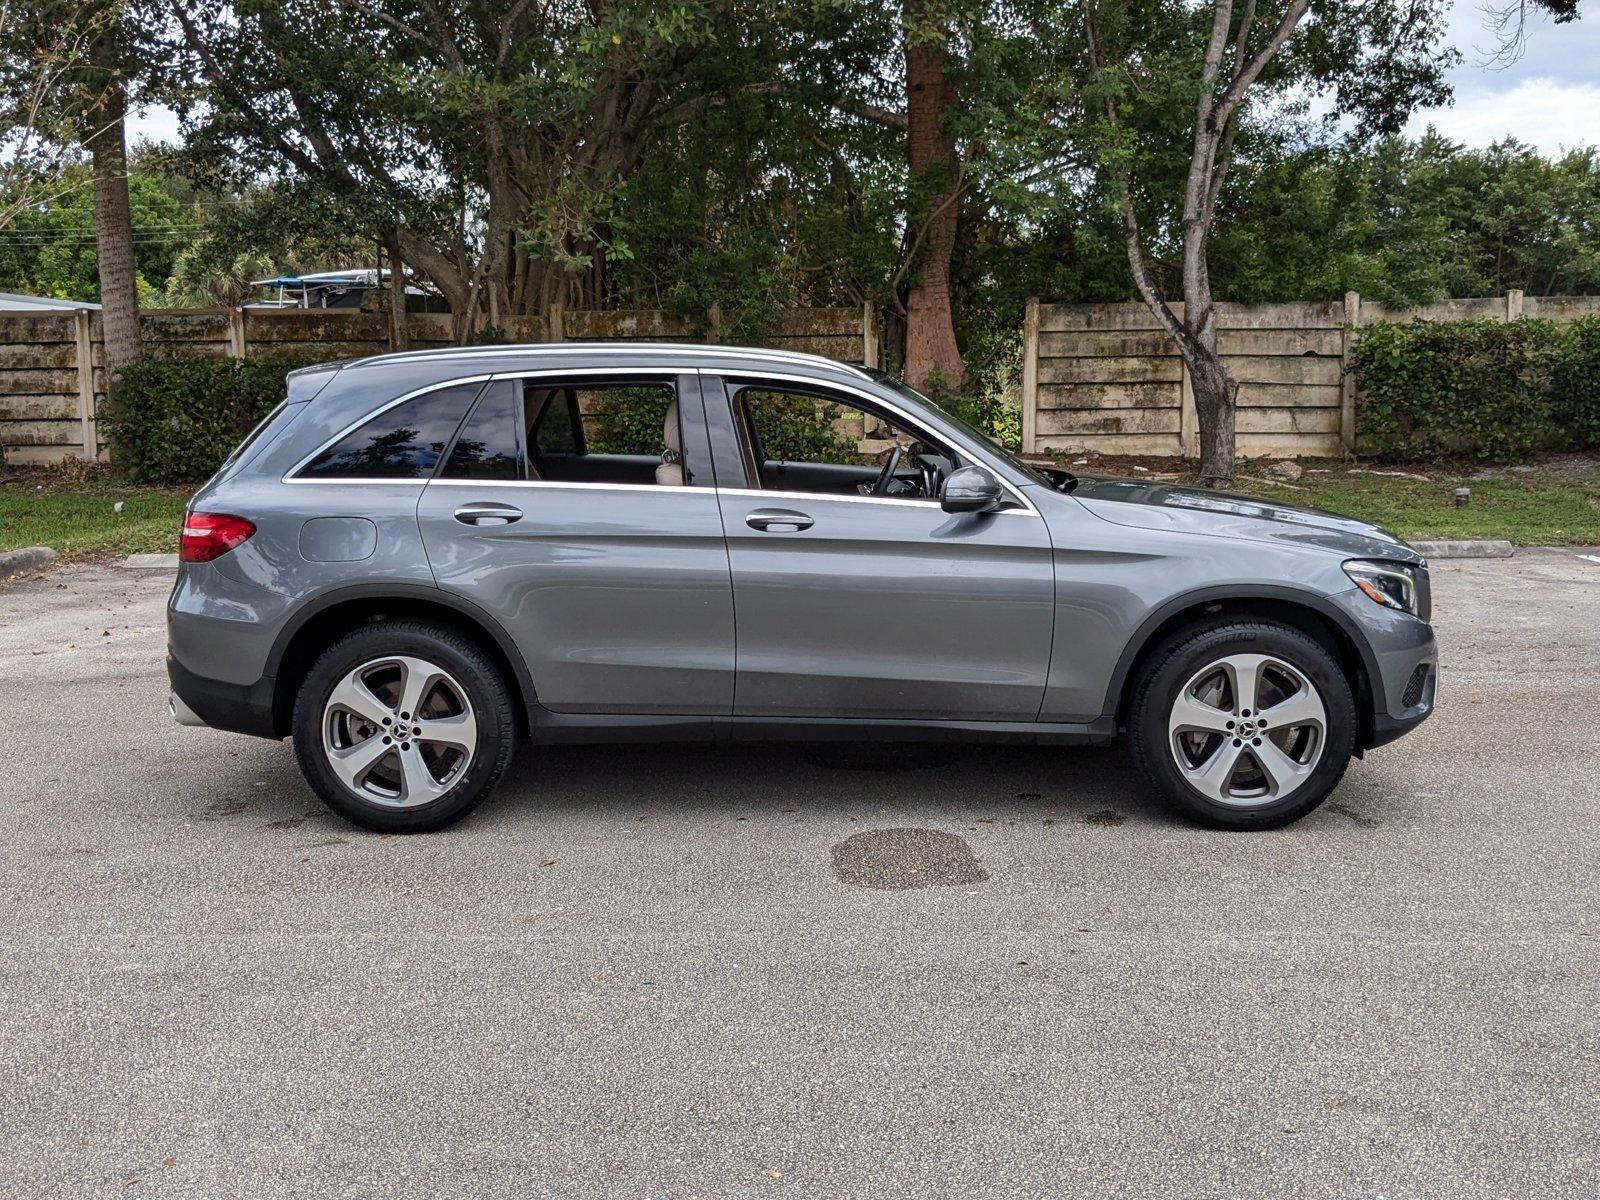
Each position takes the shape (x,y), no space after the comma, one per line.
(1390,584)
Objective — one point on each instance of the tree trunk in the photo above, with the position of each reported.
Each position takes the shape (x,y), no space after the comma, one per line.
(399,326)
(113,231)
(1215,396)
(931,154)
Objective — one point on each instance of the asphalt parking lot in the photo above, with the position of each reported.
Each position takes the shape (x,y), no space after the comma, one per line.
(679,972)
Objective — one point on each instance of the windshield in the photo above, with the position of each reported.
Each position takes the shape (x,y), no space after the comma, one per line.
(911,393)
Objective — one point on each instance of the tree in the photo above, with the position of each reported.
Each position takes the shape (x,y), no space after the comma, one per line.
(107,144)
(492,141)
(33,157)
(50,249)
(1147,58)
(86,103)
(936,186)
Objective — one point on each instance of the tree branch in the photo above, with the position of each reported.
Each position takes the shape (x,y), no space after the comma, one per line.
(1130,218)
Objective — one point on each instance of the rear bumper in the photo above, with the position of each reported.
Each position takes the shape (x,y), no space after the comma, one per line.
(238,708)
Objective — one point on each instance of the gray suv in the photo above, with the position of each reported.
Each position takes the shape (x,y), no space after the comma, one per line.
(418,558)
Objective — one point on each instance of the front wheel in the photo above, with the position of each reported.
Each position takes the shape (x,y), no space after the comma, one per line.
(404,726)
(1243,724)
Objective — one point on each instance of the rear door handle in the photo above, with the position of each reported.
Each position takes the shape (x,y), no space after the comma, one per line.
(488,514)
(778,520)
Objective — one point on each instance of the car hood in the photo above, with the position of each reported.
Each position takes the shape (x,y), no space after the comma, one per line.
(1149,505)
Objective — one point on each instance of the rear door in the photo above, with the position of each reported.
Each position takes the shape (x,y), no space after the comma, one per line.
(872,607)
(614,584)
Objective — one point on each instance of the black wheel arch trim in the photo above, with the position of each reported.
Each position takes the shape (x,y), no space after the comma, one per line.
(1315,601)
(408,591)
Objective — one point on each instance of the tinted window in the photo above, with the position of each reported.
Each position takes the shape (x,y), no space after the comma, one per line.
(487,447)
(269,425)
(404,442)
(552,422)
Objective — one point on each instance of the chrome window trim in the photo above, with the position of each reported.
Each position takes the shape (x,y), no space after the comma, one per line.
(363,480)
(753,493)
(440,385)
(572,484)
(575,485)
(926,502)
(1027,507)
(373,415)
(872,398)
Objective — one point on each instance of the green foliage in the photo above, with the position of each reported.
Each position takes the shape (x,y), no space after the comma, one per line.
(627,421)
(175,419)
(792,428)
(1483,389)
(1549,504)
(1577,383)
(801,429)
(90,517)
(50,250)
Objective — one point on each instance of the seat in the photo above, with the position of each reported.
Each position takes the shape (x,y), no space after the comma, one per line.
(670,472)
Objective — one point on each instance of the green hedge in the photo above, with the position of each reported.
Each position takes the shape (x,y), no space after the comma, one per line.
(1485,389)
(173,420)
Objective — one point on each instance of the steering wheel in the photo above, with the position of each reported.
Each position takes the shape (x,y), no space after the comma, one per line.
(880,486)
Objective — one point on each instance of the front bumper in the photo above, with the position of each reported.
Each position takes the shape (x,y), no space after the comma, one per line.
(238,708)
(1420,686)
(1402,661)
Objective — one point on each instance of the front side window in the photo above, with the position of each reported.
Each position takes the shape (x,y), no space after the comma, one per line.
(403,442)
(801,441)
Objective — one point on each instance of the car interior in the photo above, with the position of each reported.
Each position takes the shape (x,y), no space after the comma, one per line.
(603,433)
(798,441)
(793,440)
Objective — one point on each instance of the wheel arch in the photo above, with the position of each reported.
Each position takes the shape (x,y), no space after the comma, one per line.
(1309,612)
(335,613)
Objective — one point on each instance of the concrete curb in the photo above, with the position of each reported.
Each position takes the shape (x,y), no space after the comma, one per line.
(1491,548)
(29,558)
(151,562)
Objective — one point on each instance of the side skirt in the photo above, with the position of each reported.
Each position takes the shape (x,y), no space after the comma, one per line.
(554,728)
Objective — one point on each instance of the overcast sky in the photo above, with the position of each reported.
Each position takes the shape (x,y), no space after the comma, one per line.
(1550,97)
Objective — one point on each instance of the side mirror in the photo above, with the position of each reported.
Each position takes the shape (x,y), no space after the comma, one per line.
(971,490)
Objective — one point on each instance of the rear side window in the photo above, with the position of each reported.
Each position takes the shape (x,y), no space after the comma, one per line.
(263,433)
(489,447)
(403,442)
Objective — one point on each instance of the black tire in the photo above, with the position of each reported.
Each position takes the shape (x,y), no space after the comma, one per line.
(479,677)
(1177,660)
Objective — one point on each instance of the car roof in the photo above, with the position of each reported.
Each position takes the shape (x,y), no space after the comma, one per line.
(533,355)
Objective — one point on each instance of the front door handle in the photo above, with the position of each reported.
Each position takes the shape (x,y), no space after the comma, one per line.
(778,520)
(487,514)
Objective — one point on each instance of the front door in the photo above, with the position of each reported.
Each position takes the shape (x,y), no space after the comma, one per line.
(579,511)
(856,594)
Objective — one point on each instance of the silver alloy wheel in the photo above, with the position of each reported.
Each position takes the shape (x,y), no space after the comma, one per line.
(1247,730)
(399,731)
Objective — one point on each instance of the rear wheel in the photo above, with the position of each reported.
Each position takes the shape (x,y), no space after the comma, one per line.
(1243,725)
(404,726)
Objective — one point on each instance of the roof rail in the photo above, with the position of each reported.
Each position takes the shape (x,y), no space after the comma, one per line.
(554,348)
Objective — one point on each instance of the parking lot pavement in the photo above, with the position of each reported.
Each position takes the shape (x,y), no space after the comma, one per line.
(636,973)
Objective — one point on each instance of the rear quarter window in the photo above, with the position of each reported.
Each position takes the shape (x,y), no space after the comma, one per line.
(402,442)
(266,429)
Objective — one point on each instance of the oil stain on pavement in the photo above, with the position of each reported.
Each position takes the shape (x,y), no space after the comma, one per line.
(900,859)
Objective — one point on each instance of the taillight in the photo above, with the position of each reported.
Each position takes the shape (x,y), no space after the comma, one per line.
(211,535)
